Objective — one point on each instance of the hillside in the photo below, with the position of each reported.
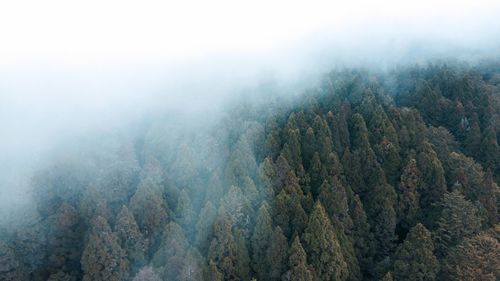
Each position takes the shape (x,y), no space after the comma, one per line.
(366,175)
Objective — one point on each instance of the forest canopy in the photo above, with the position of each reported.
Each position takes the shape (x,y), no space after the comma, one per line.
(365,175)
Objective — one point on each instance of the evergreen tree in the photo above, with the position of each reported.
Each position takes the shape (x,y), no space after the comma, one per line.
(204,227)
(299,270)
(458,220)
(103,259)
(380,205)
(184,213)
(222,251)
(10,267)
(193,266)
(242,257)
(408,197)
(414,258)
(149,209)
(261,238)
(361,236)
(146,274)
(277,254)
(433,184)
(475,258)
(170,257)
(65,240)
(130,239)
(323,248)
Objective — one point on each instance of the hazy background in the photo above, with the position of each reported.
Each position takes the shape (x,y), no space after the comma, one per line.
(70,69)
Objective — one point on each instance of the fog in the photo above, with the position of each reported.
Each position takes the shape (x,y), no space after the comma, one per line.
(70,71)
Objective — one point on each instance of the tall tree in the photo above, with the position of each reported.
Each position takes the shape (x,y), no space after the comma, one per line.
(261,238)
(131,239)
(323,248)
(103,259)
(204,227)
(170,257)
(408,197)
(459,220)
(433,184)
(276,254)
(10,266)
(475,258)
(146,274)
(222,249)
(298,270)
(414,259)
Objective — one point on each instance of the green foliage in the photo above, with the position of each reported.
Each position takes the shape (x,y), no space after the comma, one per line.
(354,168)
(103,258)
(323,247)
(299,270)
(414,259)
(458,220)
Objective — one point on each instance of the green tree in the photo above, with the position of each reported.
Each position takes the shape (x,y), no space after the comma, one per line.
(433,184)
(149,209)
(222,251)
(10,266)
(131,239)
(170,257)
(459,220)
(204,227)
(277,254)
(323,248)
(298,270)
(408,197)
(261,238)
(475,258)
(103,259)
(414,259)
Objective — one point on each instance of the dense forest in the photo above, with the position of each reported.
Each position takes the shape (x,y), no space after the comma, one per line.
(365,175)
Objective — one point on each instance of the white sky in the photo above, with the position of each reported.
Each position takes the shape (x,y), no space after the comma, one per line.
(121,31)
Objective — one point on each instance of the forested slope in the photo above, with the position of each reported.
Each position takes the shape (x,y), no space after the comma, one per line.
(365,176)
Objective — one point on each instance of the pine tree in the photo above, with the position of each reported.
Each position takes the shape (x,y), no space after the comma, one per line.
(184,213)
(242,257)
(146,274)
(10,266)
(414,258)
(193,266)
(222,249)
(433,184)
(475,258)
(489,197)
(149,209)
(65,240)
(458,220)
(380,205)
(408,197)
(204,227)
(317,173)
(213,273)
(130,239)
(103,259)
(333,196)
(299,270)
(261,238)
(361,235)
(323,248)
(276,254)
(169,259)
(291,150)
